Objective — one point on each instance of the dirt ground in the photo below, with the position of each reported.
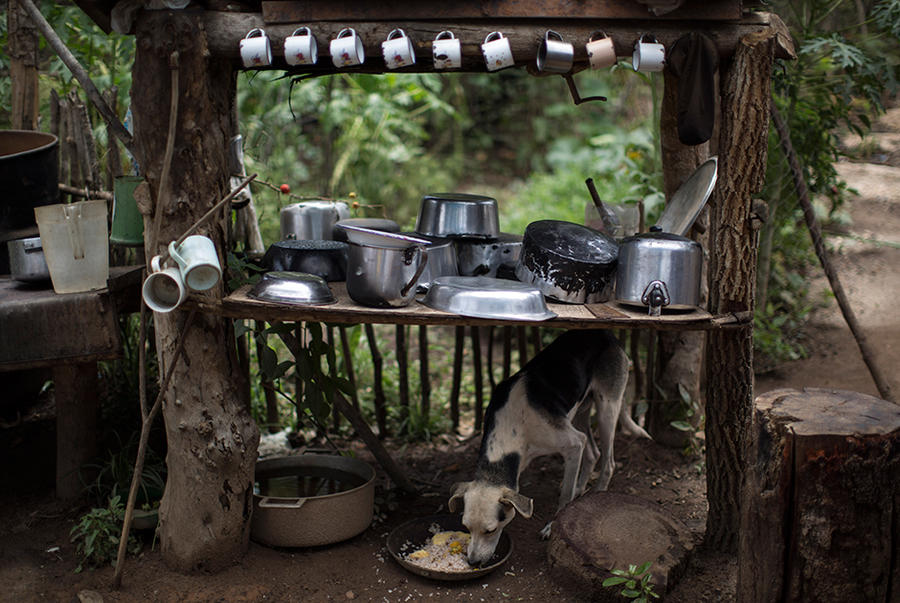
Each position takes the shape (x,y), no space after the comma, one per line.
(37,560)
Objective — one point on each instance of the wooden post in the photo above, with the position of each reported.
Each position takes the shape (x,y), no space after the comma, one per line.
(77,420)
(459,337)
(424,378)
(476,365)
(377,385)
(212,438)
(732,273)
(819,512)
(403,370)
(23,68)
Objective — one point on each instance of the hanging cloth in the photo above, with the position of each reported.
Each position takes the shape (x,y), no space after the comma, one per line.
(694,60)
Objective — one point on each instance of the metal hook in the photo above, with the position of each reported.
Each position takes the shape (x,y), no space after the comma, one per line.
(577,97)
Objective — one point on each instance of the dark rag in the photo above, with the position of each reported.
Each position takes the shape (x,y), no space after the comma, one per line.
(694,60)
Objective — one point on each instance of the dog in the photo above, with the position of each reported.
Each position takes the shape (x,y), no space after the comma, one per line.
(545,408)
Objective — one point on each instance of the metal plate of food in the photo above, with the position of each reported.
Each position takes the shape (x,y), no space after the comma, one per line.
(419,546)
(292,288)
(487,297)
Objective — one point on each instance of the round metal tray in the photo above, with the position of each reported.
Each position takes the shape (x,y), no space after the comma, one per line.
(487,297)
(416,533)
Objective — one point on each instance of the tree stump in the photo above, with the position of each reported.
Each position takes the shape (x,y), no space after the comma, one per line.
(820,515)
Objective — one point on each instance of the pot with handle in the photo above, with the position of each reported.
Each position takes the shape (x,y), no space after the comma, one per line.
(659,270)
(384,277)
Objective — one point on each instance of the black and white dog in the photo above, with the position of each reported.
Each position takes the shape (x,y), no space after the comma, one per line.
(543,409)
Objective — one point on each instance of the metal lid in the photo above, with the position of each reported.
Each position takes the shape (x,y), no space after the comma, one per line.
(688,201)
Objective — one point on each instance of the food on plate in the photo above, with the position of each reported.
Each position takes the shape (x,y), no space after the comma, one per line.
(445,551)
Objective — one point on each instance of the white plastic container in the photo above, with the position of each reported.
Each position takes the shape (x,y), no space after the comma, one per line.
(76,244)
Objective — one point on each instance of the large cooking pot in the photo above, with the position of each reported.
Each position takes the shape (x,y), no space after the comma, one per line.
(486,257)
(568,262)
(311,500)
(312,220)
(441,260)
(659,270)
(384,277)
(327,259)
(29,166)
(458,215)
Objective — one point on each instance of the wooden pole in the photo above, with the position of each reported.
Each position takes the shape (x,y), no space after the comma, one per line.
(809,214)
(476,365)
(23,68)
(459,337)
(377,385)
(424,378)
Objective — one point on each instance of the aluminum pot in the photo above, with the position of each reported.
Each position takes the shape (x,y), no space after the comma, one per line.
(26,260)
(568,262)
(458,215)
(487,257)
(311,500)
(312,220)
(29,163)
(384,277)
(327,259)
(659,270)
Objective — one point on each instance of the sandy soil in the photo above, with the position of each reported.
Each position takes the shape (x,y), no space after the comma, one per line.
(37,559)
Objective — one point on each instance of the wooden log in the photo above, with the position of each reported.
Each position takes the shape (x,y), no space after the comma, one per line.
(476,365)
(77,420)
(347,354)
(742,150)
(424,378)
(225,30)
(459,337)
(377,365)
(402,370)
(22,47)
(819,516)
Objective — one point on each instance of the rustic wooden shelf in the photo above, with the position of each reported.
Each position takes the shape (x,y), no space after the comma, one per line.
(346,311)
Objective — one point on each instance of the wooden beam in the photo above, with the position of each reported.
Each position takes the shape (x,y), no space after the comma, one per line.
(225,30)
(293,11)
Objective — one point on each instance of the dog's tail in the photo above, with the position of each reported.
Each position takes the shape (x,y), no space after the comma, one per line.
(627,424)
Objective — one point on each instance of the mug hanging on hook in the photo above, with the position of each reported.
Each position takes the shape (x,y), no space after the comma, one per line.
(447,51)
(300,48)
(649,54)
(256,51)
(601,50)
(497,51)
(398,50)
(554,54)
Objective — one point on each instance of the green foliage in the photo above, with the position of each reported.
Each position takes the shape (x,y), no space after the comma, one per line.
(635,582)
(97,533)
(113,475)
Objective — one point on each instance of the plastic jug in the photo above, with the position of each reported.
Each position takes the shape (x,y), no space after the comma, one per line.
(76,244)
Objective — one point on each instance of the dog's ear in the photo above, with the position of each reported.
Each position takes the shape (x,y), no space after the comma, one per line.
(523,504)
(456,499)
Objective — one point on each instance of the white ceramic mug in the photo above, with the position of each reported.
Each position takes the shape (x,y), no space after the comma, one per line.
(649,54)
(398,50)
(198,261)
(347,49)
(256,51)
(300,48)
(163,289)
(447,51)
(554,54)
(497,51)
(601,50)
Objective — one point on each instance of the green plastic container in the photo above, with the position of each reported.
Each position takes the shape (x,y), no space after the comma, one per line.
(127,222)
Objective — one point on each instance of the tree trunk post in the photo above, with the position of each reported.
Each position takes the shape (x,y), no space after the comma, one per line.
(742,153)
(23,68)
(212,439)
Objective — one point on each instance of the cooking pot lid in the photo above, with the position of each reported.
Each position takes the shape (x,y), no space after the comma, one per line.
(658,236)
(688,201)
(572,241)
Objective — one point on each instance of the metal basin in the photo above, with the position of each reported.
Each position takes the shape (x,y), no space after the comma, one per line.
(458,215)
(486,297)
(486,257)
(324,258)
(292,288)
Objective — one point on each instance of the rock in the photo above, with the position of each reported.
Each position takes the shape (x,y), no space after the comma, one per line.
(602,531)
(89,596)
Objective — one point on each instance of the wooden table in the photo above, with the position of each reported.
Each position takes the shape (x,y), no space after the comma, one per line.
(68,333)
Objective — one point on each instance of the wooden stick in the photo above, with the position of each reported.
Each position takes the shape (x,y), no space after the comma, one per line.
(424,378)
(868,355)
(476,364)
(456,379)
(402,372)
(79,73)
(80,192)
(348,364)
(377,385)
(146,424)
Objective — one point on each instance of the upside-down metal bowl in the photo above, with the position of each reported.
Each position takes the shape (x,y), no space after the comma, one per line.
(292,288)
(417,532)
(487,297)
(457,215)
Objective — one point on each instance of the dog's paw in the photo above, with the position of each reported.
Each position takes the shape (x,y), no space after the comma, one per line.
(545,533)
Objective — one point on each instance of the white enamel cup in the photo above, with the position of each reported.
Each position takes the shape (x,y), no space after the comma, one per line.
(300,48)
(163,289)
(554,54)
(347,49)
(198,262)
(447,51)
(600,50)
(398,50)
(497,51)
(256,51)
(649,55)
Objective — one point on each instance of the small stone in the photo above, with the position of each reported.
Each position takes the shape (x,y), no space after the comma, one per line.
(350,594)
(90,596)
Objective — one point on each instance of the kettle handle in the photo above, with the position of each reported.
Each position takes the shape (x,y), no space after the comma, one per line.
(421,251)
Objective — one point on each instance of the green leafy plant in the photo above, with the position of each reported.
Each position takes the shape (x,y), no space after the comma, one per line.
(96,536)
(635,581)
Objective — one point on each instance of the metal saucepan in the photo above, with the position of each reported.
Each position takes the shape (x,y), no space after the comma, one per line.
(327,259)
(458,215)
(26,260)
(441,260)
(384,277)
(312,220)
(659,270)
(568,262)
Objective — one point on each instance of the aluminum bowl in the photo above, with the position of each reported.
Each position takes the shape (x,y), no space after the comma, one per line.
(297,288)
(458,215)
(486,297)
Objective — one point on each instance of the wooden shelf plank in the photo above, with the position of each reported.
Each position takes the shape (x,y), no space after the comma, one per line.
(346,311)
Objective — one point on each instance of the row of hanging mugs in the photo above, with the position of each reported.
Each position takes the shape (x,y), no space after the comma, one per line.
(555,55)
